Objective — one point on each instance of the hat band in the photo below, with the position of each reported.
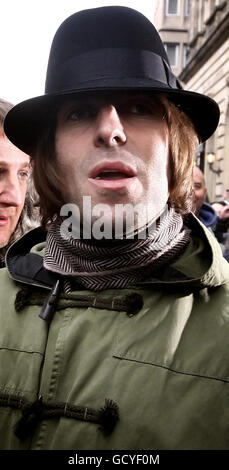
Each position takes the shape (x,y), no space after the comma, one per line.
(105,64)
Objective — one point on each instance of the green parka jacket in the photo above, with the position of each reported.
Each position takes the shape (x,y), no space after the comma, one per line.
(140,368)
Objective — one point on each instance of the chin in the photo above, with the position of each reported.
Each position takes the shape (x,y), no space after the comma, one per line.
(4,243)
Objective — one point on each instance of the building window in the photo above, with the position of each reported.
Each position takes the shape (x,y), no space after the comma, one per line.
(172,52)
(187,8)
(185,50)
(172,7)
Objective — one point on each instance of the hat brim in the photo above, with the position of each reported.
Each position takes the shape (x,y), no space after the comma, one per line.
(25,121)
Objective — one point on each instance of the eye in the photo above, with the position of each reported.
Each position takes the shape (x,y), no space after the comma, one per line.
(82,113)
(139,108)
(23,174)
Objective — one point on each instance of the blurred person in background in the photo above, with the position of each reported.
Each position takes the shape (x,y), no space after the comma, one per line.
(221,230)
(213,216)
(202,209)
(17,212)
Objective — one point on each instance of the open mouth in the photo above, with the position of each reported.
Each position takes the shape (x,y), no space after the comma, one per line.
(112,170)
(3,220)
(111,175)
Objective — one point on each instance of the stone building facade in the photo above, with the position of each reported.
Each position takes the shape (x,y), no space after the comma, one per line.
(172,19)
(207,71)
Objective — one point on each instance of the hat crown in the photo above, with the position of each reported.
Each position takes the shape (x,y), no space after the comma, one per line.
(105,27)
(102,28)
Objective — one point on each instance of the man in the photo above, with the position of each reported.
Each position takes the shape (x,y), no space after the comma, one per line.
(221,208)
(217,223)
(202,209)
(16,203)
(128,349)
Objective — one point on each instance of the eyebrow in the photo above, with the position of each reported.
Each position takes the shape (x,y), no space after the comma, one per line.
(22,166)
(6,163)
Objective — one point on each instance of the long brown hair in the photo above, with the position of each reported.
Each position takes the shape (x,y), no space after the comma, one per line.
(183,142)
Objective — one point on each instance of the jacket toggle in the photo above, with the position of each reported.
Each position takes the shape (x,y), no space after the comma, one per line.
(31,415)
(130,303)
(50,303)
(33,412)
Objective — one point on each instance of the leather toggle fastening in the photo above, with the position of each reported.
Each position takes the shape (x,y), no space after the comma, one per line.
(49,306)
(32,413)
(130,303)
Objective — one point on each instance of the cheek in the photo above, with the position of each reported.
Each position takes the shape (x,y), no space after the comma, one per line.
(15,219)
(159,158)
(61,144)
(198,194)
(20,208)
(68,153)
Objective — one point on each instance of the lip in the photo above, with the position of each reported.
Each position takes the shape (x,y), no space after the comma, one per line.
(118,166)
(3,220)
(112,183)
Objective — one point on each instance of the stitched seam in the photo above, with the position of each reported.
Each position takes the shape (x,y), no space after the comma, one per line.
(22,350)
(173,370)
(58,356)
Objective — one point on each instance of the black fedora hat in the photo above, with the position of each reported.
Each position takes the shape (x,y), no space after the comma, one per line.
(106,48)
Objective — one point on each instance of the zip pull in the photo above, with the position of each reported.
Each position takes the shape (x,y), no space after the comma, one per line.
(50,303)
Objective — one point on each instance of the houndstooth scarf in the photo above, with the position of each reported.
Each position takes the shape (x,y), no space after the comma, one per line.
(114,263)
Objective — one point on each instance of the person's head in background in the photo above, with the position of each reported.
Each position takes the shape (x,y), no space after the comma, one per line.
(218,207)
(226,196)
(199,189)
(16,191)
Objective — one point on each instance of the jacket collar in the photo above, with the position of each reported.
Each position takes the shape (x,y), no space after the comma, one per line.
(201,265)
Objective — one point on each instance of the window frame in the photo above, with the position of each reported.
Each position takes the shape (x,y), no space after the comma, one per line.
(187,7)
(167,9)
(184,55)
(176,44)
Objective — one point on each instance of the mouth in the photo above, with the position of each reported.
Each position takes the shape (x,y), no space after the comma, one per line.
(112,175)
(3,220)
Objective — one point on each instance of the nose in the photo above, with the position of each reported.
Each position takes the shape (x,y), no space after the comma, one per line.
(109,129)
(10,191)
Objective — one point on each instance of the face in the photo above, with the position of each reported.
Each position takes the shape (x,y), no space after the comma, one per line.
(200,190)
(114,148)
(218,208)
(14,172)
